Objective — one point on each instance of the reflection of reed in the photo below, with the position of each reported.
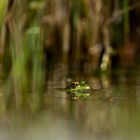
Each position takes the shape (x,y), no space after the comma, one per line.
(82,119)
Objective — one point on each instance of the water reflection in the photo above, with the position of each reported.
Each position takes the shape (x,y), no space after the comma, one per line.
(62,118)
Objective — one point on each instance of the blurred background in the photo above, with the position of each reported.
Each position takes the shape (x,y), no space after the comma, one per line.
(46,44)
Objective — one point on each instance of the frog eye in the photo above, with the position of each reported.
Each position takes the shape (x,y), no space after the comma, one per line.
(76,83)
(83,82)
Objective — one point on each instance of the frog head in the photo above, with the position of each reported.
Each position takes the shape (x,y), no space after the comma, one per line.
(78,89)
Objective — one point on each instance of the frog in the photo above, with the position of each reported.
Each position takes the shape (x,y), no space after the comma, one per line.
(78,90)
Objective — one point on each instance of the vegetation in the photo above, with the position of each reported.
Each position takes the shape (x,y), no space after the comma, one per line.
(45,40)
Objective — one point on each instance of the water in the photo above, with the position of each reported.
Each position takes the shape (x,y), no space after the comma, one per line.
(111,113)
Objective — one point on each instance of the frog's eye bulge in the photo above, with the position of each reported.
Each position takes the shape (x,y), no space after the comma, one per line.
(82,83)
(76,83)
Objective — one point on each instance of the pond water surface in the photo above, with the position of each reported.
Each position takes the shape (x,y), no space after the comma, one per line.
(112,113)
